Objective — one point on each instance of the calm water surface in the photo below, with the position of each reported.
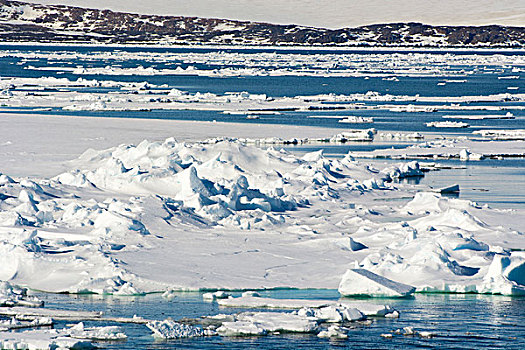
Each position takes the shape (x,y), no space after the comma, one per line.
(459,321)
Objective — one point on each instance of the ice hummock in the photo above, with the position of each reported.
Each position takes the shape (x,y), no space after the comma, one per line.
(361,282)
(150,217)
(505,275)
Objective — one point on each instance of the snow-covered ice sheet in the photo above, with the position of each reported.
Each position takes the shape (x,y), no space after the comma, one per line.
(359,282)
(168,215)
(26,151)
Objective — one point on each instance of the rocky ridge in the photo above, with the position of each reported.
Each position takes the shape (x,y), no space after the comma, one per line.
(24,22)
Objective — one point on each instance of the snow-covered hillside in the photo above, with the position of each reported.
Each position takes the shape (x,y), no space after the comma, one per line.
(326,13)
(23,22)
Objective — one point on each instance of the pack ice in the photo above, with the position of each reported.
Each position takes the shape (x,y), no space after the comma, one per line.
(222,214)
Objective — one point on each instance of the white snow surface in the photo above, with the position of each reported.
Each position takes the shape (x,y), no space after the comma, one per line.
(221,214)
(324,13)
(357,282)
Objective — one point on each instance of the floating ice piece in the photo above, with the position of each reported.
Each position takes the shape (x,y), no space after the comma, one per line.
(42,340)
(517,134)
(356,120)
(280,321)
(15,296)
(508,115)
(411,332)
(107,333)
(366,309)
(363,282)
(449,189)
(333,332)
(353,135)
(261,323)
(401,171)
(447,124)
(169,329)
(169,294)
(240,329)
(32,313)
(338,314)
(216,295)
(465,154)
(14,323)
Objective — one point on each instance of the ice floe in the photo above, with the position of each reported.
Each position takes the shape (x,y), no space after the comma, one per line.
(151,217)
(169,329)
(447,124)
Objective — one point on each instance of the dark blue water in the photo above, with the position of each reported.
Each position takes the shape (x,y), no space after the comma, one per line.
(459,321)
(481,80)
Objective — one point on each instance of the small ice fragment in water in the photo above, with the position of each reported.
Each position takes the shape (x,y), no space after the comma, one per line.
(169,329)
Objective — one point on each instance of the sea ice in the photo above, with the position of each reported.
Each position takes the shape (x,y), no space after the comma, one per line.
(15,296)
(261,323)
(169,329)
(366,283)
(324,310)
(505,275)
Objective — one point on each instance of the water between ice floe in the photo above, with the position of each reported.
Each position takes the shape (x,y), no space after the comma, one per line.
(459,321)
(498,183)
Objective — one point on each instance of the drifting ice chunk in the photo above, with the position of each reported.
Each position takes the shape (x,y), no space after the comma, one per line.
(261,323)
(12,295)
(32,313)
(450,189)
(364,282)
(79,331)
(354,313)
(214,296)
(333,332)
(239,329)
(280,321)
(258,302)
(13,323)
(169,329)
